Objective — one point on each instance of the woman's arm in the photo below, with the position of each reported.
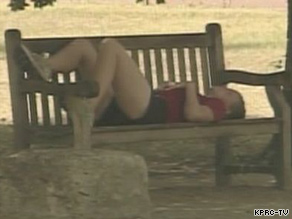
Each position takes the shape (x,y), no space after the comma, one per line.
(193,110)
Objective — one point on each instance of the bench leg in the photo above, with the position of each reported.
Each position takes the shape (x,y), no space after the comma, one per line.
(222,156)
(82,113)
(283,161)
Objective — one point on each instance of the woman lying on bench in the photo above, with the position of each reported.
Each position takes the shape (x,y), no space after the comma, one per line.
(125,97)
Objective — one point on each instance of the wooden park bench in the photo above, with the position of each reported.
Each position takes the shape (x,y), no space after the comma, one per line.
(179,57)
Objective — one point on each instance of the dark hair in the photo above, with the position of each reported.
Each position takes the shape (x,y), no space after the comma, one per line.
(237,110)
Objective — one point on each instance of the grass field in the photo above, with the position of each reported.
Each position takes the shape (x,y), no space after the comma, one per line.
(246,31)
(254,39)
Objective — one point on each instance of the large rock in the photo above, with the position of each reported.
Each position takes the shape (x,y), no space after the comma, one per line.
(72,184)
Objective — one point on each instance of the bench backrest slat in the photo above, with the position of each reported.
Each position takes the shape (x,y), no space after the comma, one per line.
(129,42)
(165,41)
(147,66)
(45,109)
(205,69)
(33,108)
(67,81)
(57,105)
(170,64)
(159,66)
(57,110)
(135,56)
(193,65)
(181,64)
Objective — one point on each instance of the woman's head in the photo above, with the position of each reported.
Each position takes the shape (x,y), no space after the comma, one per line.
(232,99)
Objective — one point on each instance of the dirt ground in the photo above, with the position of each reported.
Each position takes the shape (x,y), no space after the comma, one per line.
(182,184)
(182,173)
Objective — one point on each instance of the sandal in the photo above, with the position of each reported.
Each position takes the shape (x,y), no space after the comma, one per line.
(39,63)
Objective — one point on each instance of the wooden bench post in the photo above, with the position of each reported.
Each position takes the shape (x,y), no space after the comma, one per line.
(222,156)
(18,99)
(217,68)
(216,54)
(283,157)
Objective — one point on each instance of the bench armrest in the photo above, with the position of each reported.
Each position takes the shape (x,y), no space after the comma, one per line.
(253,78)
(272,83)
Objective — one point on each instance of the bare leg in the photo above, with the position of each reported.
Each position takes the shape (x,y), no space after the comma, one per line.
(112,68)
(117,75)
(117,70)
(79,54)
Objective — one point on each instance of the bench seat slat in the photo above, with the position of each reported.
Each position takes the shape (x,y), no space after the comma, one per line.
(152,133)
(223,123)
(176,131)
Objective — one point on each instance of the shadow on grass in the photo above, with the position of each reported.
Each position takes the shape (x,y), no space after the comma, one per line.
(182,161)
(197,152)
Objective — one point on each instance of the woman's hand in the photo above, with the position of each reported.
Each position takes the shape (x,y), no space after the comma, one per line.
(193,110)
